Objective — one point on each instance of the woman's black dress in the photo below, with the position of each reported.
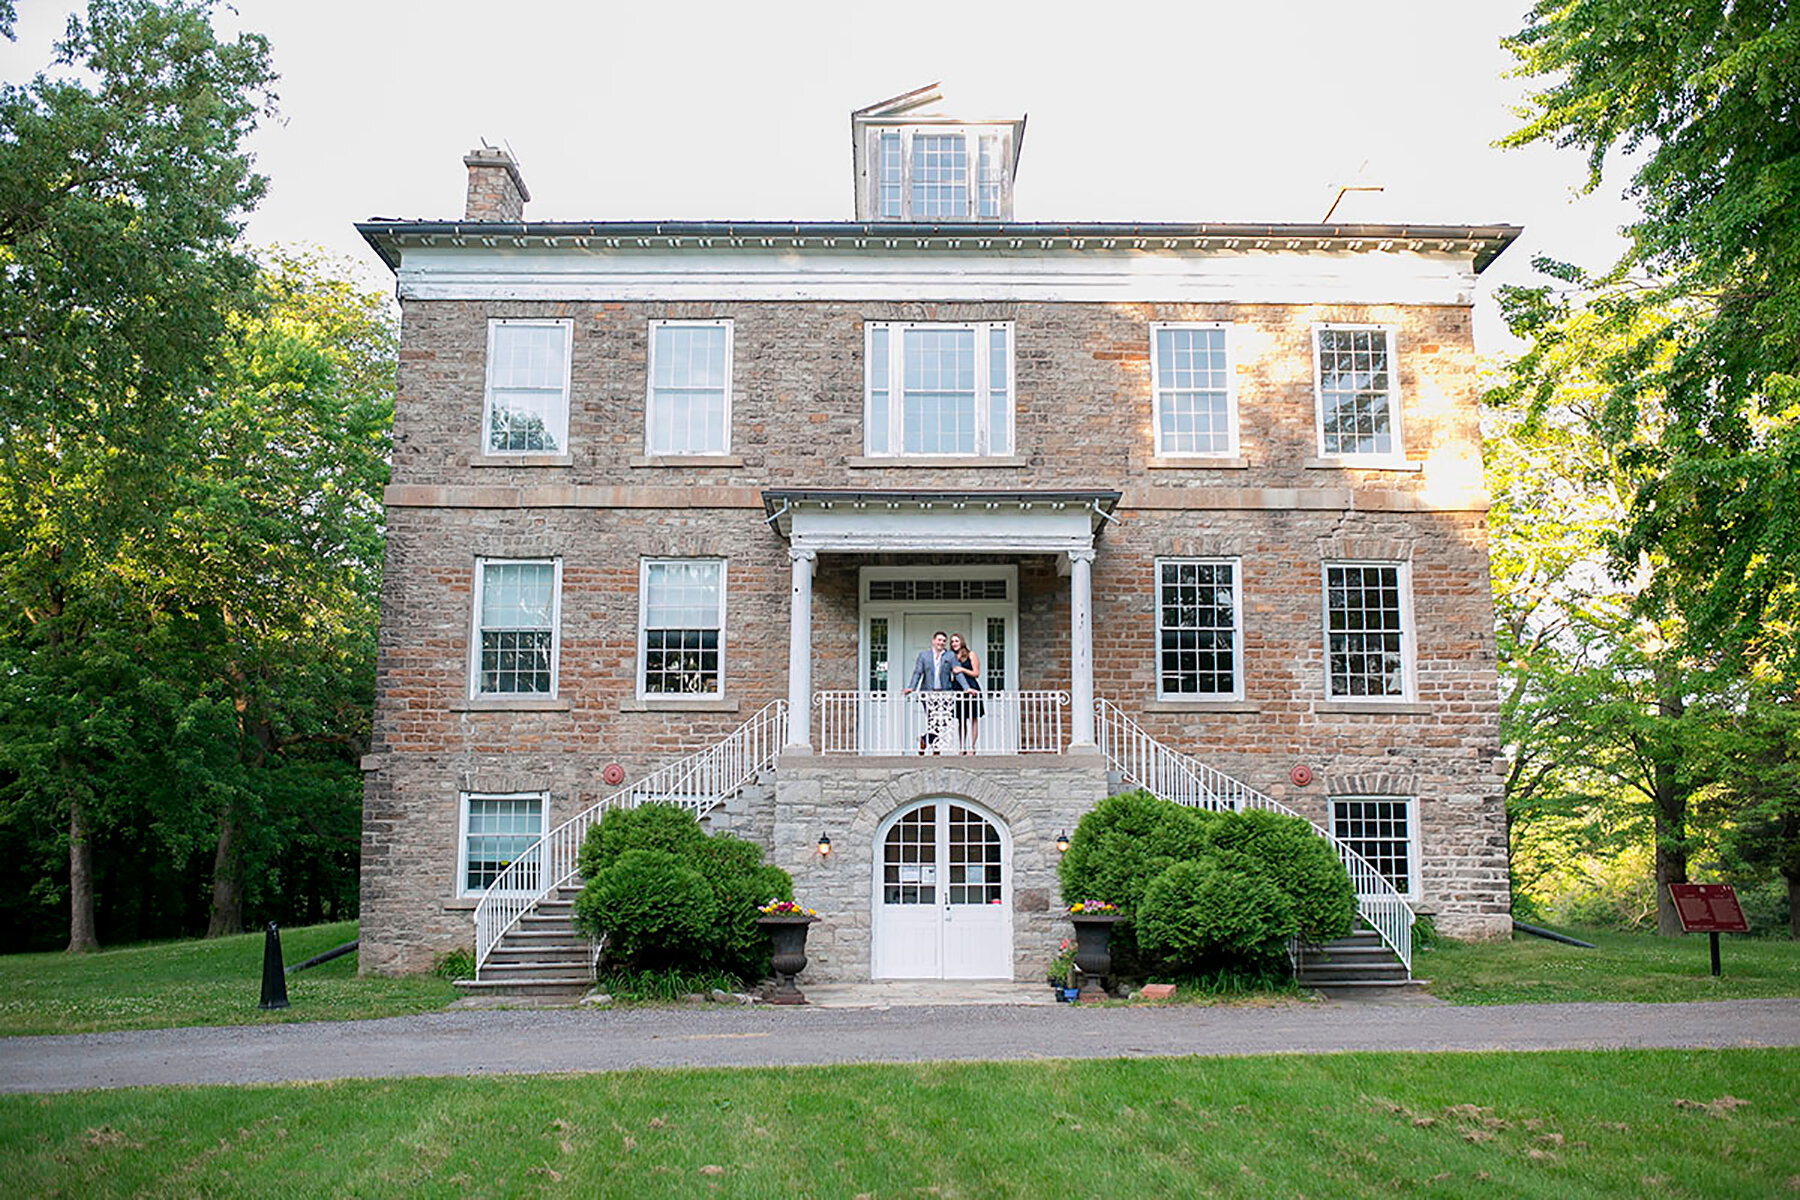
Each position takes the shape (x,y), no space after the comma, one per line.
(968,703)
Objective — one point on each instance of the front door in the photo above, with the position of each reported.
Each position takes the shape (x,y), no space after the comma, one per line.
(943,894)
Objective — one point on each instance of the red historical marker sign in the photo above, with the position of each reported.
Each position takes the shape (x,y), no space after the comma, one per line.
(1708,908)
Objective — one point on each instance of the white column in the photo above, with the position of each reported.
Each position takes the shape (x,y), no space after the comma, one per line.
(799,730)
(1081,648)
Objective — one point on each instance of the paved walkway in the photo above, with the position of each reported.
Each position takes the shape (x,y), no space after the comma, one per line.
(549,1041)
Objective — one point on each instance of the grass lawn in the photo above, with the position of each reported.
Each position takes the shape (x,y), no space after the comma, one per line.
(1618,1123)
(215,982)
(1625,966)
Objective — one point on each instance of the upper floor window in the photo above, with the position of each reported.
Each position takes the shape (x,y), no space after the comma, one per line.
(515,628)
(690,388)
(681,627)
(1192,384)
(938,173)
(1357,399)
(1198,629)
(1368,631)
(526,410)
(939,389)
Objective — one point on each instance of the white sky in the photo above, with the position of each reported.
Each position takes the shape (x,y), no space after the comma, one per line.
(1188,111)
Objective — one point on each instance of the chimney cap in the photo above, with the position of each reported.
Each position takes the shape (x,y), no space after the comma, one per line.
(485,155)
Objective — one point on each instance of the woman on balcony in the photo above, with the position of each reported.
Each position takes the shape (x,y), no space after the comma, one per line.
(969,708)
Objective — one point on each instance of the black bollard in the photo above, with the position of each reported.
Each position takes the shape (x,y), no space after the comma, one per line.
(274,992)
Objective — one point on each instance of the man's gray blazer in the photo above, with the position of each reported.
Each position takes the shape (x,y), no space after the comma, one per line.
(941,680)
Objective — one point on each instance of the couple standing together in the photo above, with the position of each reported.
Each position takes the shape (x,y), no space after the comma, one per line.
(950,676)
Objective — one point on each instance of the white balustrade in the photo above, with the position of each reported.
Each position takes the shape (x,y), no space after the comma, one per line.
(697,783)
(871,723)
(1141,759)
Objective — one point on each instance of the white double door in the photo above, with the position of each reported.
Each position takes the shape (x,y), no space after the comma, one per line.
(943,894)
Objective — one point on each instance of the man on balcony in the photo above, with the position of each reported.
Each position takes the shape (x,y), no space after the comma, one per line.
(933,674)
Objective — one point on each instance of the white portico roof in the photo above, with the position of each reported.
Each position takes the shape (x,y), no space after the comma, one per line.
(864,521)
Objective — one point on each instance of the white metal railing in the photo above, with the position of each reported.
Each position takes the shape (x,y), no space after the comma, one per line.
(886,723)
(1168,773)
(697,783)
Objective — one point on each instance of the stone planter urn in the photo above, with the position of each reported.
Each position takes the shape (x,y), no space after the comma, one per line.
(787,936)
(1093,954)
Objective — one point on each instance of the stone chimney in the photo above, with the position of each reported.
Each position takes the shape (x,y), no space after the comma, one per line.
(497,191)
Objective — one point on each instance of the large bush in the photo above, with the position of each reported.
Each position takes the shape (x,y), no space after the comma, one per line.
(1296,859)
(667,896)
(1124,842)
(1203,914)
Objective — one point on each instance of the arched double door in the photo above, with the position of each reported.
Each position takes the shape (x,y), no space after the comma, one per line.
(943,893)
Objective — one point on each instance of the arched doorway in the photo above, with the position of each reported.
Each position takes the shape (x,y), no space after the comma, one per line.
(943,893)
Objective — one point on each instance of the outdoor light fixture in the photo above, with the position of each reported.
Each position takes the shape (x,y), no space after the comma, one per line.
(1062,843)
(824,843)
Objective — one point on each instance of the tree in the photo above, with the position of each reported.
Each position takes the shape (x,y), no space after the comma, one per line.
(122,182)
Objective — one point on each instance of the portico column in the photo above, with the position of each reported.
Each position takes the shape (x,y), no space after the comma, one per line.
(1081,648)
(799,730)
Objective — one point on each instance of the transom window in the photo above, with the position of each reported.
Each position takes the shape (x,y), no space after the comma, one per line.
(1367,630)
(526,410)
(496,831)
(939,389)
(1191,378)
(1358,410)
(516,627)
(682,627)
(690,388)
(1380,829)
(1197,629)
(938,174)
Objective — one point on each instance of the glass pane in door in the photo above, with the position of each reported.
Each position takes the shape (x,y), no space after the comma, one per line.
(909,859)
(974,853)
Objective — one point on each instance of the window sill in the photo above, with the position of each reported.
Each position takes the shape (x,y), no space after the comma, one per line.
(1370,708)
(678,704)
(1361,464)
(937,460)
(684,460)
(523,460)
(1197,462)
(461,903)
(1201,706)
(514,704)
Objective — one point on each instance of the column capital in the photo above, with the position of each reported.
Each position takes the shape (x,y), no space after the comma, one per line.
(801,554)
(1085,555)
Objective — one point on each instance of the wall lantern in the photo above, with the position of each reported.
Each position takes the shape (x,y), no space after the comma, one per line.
(1062,843)
(824,844)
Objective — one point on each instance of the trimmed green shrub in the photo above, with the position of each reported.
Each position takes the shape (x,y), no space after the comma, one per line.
(655,909)
(1200,915)
(1298,861)
(741,883)
(647,827)
(1124,842)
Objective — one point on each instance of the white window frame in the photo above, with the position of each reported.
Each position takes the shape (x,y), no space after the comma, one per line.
(650,383)
(1231,397)
(487,392)
(1395,456)
(1408,630)
(983,388)
(1413,891)
(1237,629)
(462,832)
(481,566)
(971,135)
(644,565)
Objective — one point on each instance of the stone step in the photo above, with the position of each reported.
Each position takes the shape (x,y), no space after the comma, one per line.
(550,952)
(569,988)
(535,970)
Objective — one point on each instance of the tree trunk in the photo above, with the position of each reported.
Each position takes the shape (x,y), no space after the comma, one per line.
(1671,823)
(81,881)
(228,878)
(1793,882)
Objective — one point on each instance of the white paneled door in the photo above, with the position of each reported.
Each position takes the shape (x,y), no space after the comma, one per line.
(943,894)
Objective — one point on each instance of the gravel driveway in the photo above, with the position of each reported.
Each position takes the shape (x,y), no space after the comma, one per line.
(544,1041)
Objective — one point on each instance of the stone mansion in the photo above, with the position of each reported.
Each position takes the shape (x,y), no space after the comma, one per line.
(675,507)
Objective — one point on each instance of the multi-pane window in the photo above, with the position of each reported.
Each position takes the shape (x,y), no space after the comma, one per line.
(527,404)
(690,388)
(515,627)
(1191,382)
(939,389)
(938,175)
(994,665)
(496,831)
(1366,630)
(909,858)
(975,853)
(1353,374)
(1197,629)
(1379,829)
(878,654)
(682,627)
